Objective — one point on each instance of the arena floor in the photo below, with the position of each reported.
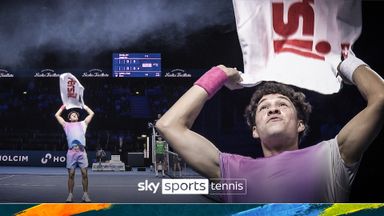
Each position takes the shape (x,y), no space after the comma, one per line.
(49,185)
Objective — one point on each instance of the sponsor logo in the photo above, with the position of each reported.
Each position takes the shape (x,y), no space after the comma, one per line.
(148,186)
(228,187)
(177,73)
(46,73)
(16,158)
(55,159)
(5,73)
(294,30)
(184,186)
(196,186)
(95,73)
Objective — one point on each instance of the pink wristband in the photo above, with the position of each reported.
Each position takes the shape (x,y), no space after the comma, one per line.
(212,80)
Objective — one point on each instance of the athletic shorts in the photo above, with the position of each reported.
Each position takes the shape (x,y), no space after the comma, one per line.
(160,157)
(77,157)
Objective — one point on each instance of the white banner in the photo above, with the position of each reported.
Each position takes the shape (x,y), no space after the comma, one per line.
(296,42)
(71,91)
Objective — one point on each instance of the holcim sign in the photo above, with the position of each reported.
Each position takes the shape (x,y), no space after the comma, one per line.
(39,158)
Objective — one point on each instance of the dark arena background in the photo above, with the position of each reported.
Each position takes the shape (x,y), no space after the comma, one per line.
(41,39)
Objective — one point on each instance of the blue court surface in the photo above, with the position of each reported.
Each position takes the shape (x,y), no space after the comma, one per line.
(49,185)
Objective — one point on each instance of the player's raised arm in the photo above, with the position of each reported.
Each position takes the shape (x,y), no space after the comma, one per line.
(175,125)
(359,133)
(58,115)
(90,115)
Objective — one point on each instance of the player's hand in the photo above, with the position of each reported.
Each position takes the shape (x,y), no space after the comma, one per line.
(234,77)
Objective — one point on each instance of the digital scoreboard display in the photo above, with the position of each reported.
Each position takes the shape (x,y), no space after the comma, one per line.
(136,65)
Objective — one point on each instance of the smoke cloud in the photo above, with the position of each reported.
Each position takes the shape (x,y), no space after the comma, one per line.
(32,30)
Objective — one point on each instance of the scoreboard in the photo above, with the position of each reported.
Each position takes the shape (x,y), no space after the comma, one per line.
(136,65)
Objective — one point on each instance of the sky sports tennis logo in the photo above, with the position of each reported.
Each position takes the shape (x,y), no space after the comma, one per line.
(196,186)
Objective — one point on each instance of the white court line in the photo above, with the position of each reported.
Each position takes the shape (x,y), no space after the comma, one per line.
(26,185)
(76,185)
(107,185)
(7,177)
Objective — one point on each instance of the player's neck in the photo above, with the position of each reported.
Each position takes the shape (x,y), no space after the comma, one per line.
(275,147)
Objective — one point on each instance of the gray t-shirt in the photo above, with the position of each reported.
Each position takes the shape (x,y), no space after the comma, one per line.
(314,174)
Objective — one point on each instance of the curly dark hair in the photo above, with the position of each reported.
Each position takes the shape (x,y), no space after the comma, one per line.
(70,113)
(303,108)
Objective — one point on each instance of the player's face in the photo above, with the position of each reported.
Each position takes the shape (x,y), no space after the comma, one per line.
(73,117)
(276,116)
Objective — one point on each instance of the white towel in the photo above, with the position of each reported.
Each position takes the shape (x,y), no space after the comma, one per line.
(71,91)
(296,42)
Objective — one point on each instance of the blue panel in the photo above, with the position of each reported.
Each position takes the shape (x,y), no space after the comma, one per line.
(136,65)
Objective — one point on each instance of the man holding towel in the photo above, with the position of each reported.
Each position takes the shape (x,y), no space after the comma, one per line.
(278,117)
(76,156)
